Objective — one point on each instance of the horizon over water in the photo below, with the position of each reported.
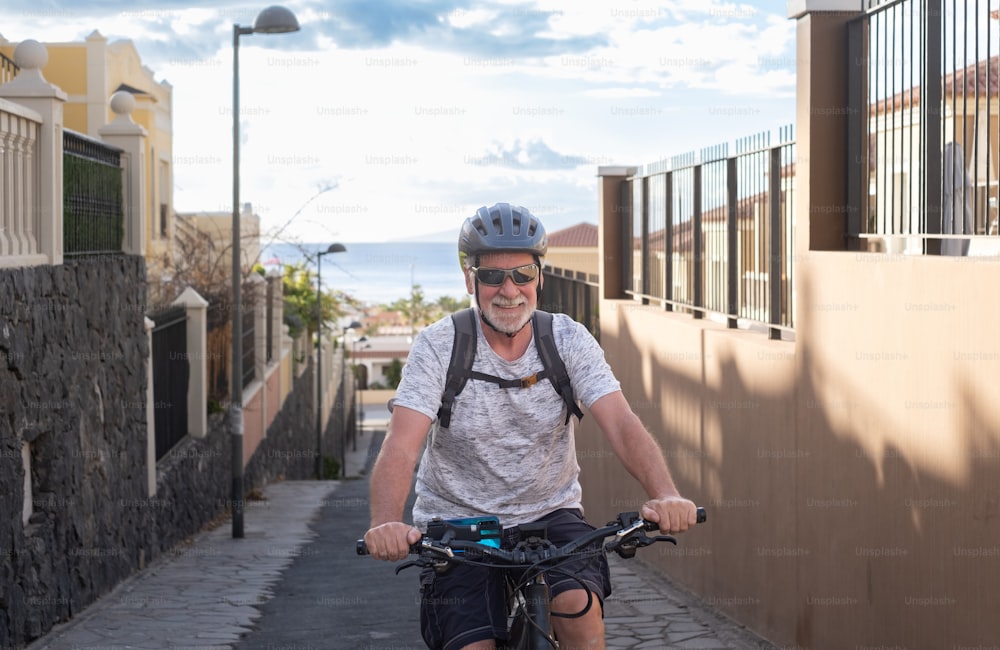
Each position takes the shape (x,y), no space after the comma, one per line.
(380,273)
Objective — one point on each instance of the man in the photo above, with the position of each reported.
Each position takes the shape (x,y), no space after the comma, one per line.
(507,452)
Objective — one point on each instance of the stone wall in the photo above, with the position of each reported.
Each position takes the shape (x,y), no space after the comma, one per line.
(73,355)
(193,484)
(288,451)
(73,376)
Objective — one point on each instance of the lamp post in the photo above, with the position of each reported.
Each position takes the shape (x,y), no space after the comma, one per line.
(334,248)
(272,20)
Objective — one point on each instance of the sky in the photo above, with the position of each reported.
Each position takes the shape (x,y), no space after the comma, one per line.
(383,120)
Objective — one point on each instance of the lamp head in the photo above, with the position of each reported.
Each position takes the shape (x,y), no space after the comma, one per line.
(275,20)
(336,248)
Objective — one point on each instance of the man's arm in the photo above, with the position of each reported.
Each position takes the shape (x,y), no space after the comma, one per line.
(643,458)
(389,538)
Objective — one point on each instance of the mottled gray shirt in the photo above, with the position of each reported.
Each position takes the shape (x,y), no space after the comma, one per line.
(508,451)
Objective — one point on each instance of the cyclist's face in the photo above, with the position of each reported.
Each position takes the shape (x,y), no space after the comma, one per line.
(508,306)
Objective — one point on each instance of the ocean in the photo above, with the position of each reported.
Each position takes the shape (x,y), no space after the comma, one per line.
(381,273)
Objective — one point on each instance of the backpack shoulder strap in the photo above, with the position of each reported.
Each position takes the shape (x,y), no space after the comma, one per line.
(463,353)
(555,369)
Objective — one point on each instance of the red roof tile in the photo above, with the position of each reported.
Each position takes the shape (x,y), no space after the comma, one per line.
(982,78)
(580,235)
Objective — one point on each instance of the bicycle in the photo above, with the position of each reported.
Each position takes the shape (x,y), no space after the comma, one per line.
(476,541)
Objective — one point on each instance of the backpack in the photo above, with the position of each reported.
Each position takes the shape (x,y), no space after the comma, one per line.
(463,353)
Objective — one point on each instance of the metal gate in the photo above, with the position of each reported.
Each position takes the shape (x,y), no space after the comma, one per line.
(170,378)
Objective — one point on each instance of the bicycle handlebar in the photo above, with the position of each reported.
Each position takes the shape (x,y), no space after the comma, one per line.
(624,529)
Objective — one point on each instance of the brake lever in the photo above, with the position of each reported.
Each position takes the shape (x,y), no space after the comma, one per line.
(422,562)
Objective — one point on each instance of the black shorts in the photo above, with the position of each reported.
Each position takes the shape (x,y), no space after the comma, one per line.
(468,603)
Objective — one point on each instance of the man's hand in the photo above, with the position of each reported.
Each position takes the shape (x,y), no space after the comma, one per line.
(674,514)
(391,541)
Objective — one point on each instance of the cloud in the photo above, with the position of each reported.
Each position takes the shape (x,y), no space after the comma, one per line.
(474,29)
(530,154)
(429,109)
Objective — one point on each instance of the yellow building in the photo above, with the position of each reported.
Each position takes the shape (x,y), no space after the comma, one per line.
(89,72)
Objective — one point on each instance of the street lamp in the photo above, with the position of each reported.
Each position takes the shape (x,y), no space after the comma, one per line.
(334,248)
(272,20)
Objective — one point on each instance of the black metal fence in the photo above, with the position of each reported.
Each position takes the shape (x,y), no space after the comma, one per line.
(268,319)
(218,347)
(93,196)
(249,356)
(575,294)
(923,79)
(170,378)
(714,233)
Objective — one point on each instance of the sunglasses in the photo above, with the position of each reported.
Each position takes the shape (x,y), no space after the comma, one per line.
(496,277)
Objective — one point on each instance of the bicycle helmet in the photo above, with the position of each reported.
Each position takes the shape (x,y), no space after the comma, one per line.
(501,228)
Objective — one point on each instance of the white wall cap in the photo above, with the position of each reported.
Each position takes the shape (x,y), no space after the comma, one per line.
(616,170)
(190,298)
(799,8)
(31,56)
(14,108)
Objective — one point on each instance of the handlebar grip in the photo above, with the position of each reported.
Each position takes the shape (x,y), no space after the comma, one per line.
(701,517)
(362,548)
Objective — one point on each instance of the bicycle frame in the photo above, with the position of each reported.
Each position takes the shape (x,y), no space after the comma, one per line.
(529,617)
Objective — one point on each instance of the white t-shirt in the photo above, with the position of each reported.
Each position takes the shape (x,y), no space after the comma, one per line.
(508,452)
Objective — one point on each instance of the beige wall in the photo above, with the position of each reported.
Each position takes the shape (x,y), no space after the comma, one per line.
(852,476)
(575,258)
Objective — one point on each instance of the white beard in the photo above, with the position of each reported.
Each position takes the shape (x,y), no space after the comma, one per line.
(508,321)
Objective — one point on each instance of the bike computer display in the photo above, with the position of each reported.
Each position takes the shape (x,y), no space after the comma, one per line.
(485,530)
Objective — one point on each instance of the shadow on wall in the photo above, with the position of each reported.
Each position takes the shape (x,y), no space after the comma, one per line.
(842,513)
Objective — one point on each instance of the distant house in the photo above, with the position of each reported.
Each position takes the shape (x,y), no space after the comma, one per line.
(216,228)
(971,150)
(90,72)
(574,249)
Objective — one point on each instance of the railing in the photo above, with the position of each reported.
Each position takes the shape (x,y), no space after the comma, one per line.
(8,69)
(269,320)
(170,378)
(93,196)
(923,134)
(249,347)
(575,294)
(19,225)
(218,346)
(714,235)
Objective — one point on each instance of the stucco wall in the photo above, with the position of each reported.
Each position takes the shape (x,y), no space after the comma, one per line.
(851,476)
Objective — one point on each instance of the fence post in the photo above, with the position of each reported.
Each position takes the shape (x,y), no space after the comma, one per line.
(610,243)
(30,89)
(197,354)
(124,133)
(150,415)
(277,313)
(821,120)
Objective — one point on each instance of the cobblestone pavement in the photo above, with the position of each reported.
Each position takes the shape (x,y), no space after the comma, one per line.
(293,581)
